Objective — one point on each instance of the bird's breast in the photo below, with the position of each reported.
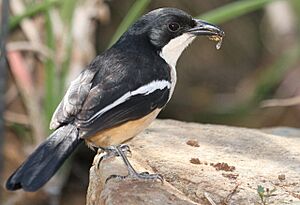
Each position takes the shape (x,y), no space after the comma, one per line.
(121,133)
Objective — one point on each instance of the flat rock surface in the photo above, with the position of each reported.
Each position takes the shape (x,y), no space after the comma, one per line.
(204,164)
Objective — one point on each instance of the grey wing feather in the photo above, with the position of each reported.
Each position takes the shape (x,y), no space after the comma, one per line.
(74,98)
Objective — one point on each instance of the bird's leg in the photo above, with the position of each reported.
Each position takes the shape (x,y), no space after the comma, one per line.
(111,151)
(131,171)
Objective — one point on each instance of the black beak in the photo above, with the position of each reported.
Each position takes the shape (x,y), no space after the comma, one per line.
(206,29)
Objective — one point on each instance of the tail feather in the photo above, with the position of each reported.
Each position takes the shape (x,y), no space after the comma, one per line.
(42,164)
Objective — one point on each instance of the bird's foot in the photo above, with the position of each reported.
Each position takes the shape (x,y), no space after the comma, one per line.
(131,171)
(111,151)
(138,176)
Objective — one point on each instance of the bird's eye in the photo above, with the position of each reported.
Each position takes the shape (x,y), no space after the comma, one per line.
(173,27)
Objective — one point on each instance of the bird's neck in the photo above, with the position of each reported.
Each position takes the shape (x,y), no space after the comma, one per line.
(133,42)
(172,50)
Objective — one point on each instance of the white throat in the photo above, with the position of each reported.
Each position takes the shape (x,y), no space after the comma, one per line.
(172,51)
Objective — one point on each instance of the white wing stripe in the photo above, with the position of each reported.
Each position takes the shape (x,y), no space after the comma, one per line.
(145,90)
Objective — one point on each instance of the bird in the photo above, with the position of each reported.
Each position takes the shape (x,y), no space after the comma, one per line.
(117,95)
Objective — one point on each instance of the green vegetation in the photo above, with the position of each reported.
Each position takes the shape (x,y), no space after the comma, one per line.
(264,194)
(32,11)
(233,10)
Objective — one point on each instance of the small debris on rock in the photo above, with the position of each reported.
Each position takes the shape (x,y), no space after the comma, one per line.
(172,197)
(223,166)
(281,177)
(296,195)
(193,143)
(195,161)
(230,176)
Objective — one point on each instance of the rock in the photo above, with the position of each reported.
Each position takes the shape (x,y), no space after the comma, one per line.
(226,167)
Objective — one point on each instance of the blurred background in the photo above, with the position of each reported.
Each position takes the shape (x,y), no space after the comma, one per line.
(252,81)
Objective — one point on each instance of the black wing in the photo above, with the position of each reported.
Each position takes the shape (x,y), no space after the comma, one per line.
(75,96)
(127,107)
(127,88)
(114,89)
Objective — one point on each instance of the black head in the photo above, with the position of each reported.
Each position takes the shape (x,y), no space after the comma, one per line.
(165,24)
(168,31)
(162,25)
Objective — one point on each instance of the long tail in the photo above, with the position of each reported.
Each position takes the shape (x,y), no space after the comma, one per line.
(42,164)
